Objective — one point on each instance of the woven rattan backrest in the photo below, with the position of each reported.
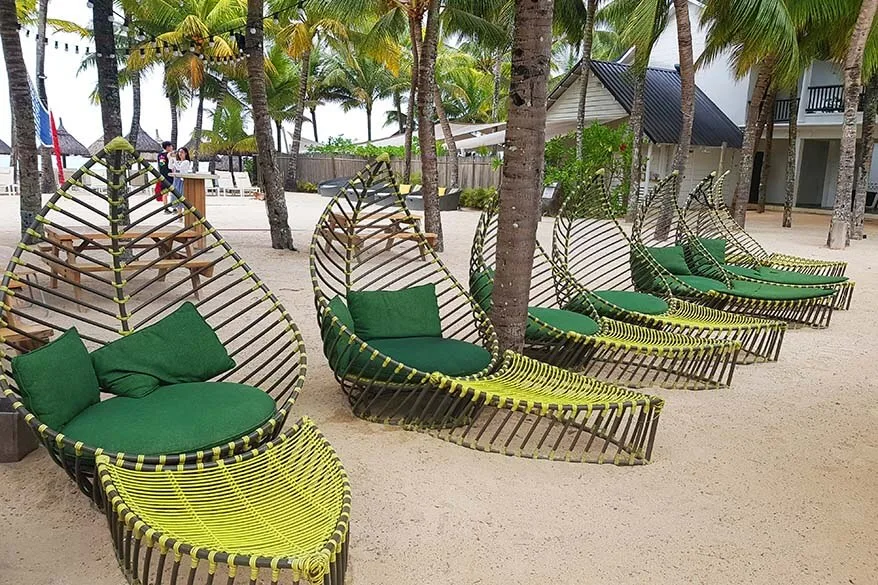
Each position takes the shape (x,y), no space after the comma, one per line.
(368,240)
(660,224)
(591,244)
(743,241)
(113,262)
(550,287)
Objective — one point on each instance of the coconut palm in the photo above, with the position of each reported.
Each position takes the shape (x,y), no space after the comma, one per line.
(228,135)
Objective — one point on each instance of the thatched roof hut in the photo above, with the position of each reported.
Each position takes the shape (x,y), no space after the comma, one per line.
(4,148)
(146,145)
(69,145)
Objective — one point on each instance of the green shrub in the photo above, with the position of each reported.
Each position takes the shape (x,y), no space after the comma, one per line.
(306,187)
(477,198)
(342,145)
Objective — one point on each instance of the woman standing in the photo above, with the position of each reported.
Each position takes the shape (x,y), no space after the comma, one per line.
(182,164)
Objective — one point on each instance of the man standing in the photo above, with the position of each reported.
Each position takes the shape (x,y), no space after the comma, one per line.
(164,159)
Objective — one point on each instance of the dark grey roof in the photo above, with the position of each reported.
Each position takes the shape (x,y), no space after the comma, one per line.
(662,119)
(4,148)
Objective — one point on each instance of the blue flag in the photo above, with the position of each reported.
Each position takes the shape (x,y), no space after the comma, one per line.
(41,119)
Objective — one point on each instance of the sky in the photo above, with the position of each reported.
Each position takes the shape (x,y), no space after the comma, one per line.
(68,94)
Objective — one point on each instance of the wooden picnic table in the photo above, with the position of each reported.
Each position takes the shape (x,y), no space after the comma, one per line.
(387,226)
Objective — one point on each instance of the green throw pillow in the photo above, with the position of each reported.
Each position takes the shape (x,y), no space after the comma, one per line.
(716,247)
(180,349)
(57,381)
(410,312)
(481,286)
(671,259)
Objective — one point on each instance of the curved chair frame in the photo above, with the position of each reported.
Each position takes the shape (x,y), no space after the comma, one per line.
(593,249)
(701,218)
(104,287)
(516,406)
(776,260)
(656,225)
(620,352)
(135,494)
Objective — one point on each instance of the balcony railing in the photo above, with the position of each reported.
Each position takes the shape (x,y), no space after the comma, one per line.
(826,99)
(783,109)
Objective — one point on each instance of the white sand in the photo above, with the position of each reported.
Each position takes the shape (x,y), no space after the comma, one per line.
(771,481)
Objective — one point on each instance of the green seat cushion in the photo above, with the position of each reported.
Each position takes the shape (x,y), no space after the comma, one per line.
(776,276)
(57,381)
(716,247)
(671,259)
(559,319)
(481,286)
(179,418)
(179,349)
(409,312)
(426,354)
(335,344)
(628,300)
(754,290)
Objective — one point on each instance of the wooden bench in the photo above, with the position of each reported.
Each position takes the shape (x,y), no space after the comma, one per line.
(22,337)
(356,241)
(73,272)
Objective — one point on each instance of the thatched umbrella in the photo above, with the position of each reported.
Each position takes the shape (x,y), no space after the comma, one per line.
(146,145)
(69,145)
(4,148)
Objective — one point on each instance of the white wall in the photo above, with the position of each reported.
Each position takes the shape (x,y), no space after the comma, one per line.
(600,105)
(716,79)
(832,164)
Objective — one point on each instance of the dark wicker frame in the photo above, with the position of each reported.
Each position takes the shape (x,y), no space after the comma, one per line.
(657,224)
(623,353)
(594,250)
(247,317)
(517,406)
(702,218)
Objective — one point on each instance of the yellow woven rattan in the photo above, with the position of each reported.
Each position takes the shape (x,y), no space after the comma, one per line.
(277,513)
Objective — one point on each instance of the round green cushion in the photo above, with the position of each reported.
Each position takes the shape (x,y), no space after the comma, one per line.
(427,354)
(755,290)
(773,275)
(559,319)
(180,418)
(630,301)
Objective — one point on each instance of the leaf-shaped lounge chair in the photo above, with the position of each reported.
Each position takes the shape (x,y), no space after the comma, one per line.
(110,263)
(745,241)
(454,384)
(659,262)
(731,247)
(594,250)
(565,329)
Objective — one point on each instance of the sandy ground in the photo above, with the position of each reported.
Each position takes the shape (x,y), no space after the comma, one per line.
(771,481)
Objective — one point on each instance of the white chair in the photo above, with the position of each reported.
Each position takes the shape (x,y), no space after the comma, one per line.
(227,187)
(246,186)
(7,184)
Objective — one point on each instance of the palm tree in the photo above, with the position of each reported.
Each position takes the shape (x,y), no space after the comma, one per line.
(467,94)
(47,174)
(426,114)
(356,81)
(229,135)
(25,128)
(108,78)
(275,203)
(687,84)
(867,150)
(521,184)
(839,228)
(283,77)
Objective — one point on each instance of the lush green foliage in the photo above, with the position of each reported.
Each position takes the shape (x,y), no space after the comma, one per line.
(342,145)
(477,198)
(604,148)
(306,187)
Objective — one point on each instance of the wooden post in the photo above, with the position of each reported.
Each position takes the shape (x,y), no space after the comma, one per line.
(722,159)
(195,192)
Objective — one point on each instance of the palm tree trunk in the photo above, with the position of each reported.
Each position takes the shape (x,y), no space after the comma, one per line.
(291,181)
(415,35)
(687,85)
(450,142)
(768,115)
(172,100)
(108,73)
(313,111)
(498,85)
(199,124)
(792,155)
(269,177)
(636,124)
(136,101)
(369,123)
(278,127)
(585,73)
(220,99)
(397,105)
(521,183)
(24,128)
(751,140)
(853,84)
(870,110)
(47,173)
(426,130)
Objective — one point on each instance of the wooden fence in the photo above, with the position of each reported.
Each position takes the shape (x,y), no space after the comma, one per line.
(316,168)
